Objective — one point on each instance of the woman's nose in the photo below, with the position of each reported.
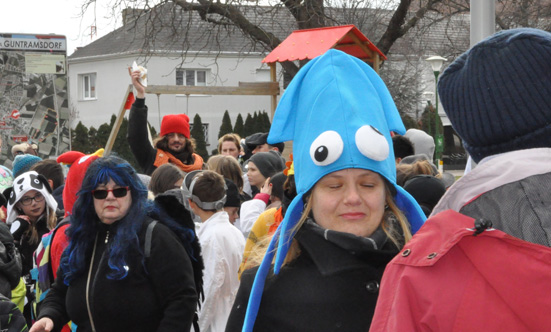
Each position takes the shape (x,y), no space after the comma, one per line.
(352,195)
(110,195)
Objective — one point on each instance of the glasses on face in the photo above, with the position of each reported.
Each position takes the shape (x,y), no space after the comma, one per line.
(26,200)
(117,192)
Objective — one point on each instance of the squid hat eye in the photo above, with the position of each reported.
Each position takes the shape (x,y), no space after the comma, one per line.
(326,148)
(372,143)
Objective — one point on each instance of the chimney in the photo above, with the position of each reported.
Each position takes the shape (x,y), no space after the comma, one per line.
(130,14)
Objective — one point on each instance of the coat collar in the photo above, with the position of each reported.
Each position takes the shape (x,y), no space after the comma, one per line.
(331,259)
(219,218)
(492,173)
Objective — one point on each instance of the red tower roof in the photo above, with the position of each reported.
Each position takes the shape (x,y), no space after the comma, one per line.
(310,43)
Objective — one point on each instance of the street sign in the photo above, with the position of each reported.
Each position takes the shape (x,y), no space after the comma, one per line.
(15,114)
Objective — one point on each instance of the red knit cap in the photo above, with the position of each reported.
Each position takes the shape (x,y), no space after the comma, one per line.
(175,123)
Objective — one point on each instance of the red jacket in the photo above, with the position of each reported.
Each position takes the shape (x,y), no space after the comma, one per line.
(446,279)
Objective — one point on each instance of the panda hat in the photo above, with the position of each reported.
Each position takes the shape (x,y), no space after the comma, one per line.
(21,185)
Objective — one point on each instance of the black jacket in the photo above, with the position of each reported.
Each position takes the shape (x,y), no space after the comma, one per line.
(327,288)
(10,262)
(156,296)
(24,244)
(172,202)
(138,140)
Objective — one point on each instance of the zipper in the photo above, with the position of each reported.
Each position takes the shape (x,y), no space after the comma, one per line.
(88,284)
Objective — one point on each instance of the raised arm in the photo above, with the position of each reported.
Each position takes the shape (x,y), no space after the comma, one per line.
(137,136)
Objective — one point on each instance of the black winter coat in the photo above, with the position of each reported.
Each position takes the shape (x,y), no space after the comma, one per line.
(10,262)
(25,246)
(144,153)
(327,288)
(156,296)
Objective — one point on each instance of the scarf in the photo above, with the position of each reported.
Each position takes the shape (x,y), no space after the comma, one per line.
(164,157)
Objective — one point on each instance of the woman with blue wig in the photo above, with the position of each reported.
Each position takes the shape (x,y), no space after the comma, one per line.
(349,218)
(121,270)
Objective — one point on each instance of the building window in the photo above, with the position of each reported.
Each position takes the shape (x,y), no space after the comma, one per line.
(191,77)
(88,86)
(205,131)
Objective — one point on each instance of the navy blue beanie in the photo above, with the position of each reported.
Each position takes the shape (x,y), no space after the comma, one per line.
(497,95)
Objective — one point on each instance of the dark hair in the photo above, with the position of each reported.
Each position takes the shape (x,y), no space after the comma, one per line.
(85,223)
(51,171)
(161,143)
(402,146)
(164,178)
(209,186)
(277,181)
(280,146)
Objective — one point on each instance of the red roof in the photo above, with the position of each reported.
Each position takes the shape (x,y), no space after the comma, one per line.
(310,43)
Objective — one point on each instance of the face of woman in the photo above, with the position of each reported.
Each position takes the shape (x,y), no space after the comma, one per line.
(32,204)
(111,208)
(255,177)
(229,148)
(350,201)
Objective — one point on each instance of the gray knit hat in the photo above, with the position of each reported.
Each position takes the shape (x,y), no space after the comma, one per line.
(268,163)
(497,95)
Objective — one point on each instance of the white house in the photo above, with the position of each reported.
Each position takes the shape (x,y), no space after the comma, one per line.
(178,48)
(98,73)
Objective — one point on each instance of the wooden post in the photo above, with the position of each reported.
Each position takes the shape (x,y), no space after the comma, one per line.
(117,124)
(376,62)
(244,88)
(273,78)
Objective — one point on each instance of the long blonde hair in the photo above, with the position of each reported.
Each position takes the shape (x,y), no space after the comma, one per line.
(394,223)
(51,221)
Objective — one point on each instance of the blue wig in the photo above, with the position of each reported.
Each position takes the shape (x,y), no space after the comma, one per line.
(85,223)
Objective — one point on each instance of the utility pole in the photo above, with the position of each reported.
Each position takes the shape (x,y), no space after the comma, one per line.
(483,19)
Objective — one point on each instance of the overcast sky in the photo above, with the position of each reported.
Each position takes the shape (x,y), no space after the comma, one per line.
(60,17)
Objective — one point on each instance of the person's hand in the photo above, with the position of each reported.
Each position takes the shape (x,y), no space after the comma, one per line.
(42,325)
(266,187)
(19,226)
(23,217)
(140,89)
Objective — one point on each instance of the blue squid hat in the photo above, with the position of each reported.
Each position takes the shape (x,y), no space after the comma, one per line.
(339,114)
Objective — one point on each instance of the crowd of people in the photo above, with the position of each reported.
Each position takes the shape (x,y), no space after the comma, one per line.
(335,238)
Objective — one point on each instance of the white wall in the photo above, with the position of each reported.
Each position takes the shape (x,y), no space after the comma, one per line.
(113,79)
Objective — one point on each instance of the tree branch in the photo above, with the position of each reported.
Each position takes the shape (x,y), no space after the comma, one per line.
(267,39)
(397,28)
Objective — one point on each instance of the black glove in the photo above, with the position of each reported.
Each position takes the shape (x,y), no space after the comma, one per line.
(18,228)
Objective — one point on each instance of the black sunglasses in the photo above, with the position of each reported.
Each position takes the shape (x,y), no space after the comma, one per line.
(117,192)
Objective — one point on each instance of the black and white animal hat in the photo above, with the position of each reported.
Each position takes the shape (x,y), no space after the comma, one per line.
(23,184)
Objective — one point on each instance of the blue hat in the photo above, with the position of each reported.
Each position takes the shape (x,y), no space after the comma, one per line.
(350,114)
(23,163)
(497,94)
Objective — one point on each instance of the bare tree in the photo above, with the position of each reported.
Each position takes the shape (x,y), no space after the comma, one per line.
(267,24)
